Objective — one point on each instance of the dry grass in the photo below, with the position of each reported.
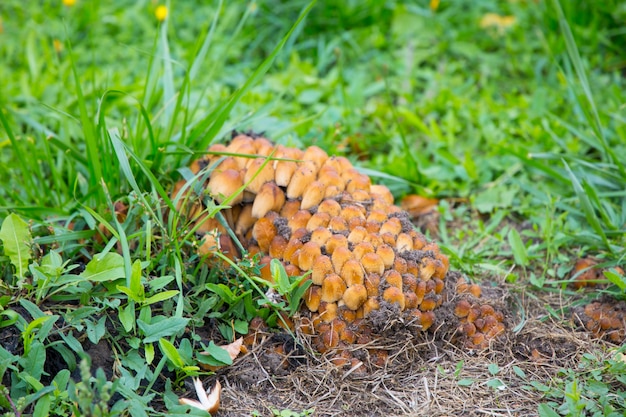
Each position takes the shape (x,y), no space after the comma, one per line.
(422,377)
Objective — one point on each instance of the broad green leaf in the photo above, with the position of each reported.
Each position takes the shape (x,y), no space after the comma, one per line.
(8,318)
(160,282)
(67,354)
(52,261)
(135,281)
(616,279)
(241,326)
(495,197)
(280,276)
(42,409)
(546,411)
(519,372)
(95,331)
(517,246)
(296,296)
(61,380)
(129,293)
(16,239)
(496,384)
(39,323)
(162,296)
(71,342)
(225,293)
(465,382)
(149,352)
(163,328)
(42,391)
(220,355)
(109,267)
(170,351)
(539,386)
(127,317)
(33,362)
(493,368)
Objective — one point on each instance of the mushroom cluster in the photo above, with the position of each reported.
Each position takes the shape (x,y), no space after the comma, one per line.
(317,213)
(605,320)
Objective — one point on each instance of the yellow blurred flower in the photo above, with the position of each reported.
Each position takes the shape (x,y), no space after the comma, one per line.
(434,5)
(69,3)
(161,13)
(58,45)
(493,20)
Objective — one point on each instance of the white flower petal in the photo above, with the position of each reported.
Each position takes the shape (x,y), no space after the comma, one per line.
(200,391)
(192,403)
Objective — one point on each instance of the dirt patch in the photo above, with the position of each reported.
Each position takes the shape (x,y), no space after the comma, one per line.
(422,376)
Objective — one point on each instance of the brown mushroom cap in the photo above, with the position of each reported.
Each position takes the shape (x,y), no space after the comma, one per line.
(318,213)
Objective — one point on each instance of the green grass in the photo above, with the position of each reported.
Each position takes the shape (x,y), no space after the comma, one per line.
(521,132)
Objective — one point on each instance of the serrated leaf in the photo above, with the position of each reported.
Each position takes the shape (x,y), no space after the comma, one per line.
(16,239)
(108,267)
(517,246)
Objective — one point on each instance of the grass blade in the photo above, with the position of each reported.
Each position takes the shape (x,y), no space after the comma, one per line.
(587,207)
(576,61)
(207,130)
(94,151)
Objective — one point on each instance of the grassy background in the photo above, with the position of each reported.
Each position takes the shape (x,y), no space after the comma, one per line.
(518,128)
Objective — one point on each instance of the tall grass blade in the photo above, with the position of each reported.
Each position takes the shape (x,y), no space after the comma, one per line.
(576,61)
(21,157)
(94,151)
(208,128)
(587,207)
(168,76)
(201,55)
(121,149)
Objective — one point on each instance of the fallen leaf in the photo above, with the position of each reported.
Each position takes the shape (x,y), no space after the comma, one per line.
(417,205)
(233,349)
